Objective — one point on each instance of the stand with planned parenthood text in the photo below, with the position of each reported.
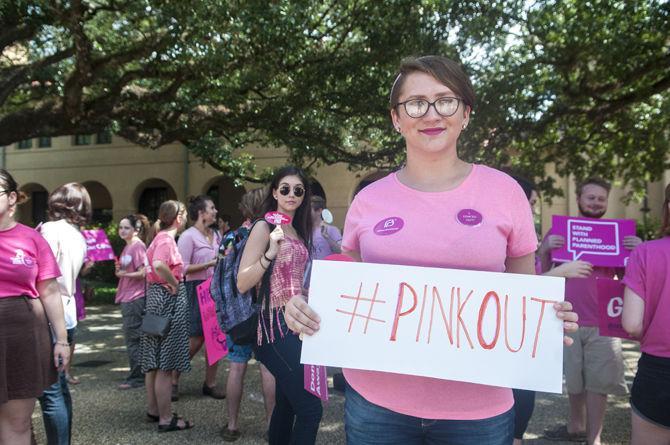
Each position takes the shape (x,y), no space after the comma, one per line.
(597,241)
(482,327)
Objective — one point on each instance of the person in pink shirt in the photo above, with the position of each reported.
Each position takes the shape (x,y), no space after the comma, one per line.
(443,214)
(29,301)
(198,247)
(130,270)
(593,366)
(646,316)
(166,297)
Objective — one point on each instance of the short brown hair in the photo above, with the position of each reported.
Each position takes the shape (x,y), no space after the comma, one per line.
(446,71)
(665,228)
(595,180)
(72,203)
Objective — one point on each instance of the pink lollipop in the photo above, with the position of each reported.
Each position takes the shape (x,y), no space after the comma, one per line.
(277,218)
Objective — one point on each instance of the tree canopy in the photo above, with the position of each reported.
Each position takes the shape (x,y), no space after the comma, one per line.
(580,84)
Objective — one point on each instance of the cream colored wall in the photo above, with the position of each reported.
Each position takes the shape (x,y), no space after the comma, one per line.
(123,167)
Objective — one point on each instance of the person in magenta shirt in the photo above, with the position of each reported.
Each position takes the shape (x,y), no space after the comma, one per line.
(198,247)
(166,297)
(130,270)
(646,316)
(593,366)
(29,301)
(428,200)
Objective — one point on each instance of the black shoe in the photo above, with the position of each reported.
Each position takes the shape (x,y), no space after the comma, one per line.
(213,392)
(339,383)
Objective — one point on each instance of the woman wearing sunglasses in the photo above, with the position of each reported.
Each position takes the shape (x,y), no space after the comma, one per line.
(276,259)
(430,106)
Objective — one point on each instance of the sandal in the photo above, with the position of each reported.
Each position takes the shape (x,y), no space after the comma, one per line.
(230,435)
(152,418)
(72,380)
(560,432)
(174,425)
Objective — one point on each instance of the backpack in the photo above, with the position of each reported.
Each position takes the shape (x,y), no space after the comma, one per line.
(236,312)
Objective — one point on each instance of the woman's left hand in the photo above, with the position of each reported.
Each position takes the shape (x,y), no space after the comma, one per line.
(564,312)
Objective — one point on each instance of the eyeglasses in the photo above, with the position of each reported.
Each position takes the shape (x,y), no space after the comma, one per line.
(445,106)
(298,190)
(4,192)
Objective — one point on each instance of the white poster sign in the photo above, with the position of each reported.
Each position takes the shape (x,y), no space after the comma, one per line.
(482,327)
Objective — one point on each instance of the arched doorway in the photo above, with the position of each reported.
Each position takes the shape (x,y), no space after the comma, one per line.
(34,211)
(226,196)
(101,202)
(150,194)
(317,188)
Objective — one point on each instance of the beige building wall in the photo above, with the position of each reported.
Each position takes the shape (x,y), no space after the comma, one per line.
(124,170)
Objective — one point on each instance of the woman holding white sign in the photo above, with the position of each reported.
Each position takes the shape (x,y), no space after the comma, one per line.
(646,315)
(443,207)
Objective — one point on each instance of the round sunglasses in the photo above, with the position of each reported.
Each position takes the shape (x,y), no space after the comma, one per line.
(298,190)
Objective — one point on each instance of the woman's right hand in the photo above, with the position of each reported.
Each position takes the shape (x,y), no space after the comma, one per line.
(61,356)
(172,288)
(276,237)
(300,318)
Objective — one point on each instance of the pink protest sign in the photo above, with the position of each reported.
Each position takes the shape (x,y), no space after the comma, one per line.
(277,218)
(316,381)
(610,307)
(98,247)
(598,241)
(215,338)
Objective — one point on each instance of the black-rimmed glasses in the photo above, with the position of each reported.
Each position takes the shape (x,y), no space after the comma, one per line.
(445,106)
(4,192)
(298,190)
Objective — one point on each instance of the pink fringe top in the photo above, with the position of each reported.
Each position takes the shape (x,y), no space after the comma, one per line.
(286,281)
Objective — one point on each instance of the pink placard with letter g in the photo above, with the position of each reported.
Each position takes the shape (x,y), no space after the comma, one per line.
(610,308)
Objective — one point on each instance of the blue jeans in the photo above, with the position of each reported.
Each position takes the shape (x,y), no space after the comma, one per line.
(368,424)
(297,413)
(56,404)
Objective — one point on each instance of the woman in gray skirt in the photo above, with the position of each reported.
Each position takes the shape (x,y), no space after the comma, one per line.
(166,297)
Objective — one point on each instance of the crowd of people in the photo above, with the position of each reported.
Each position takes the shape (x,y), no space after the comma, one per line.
(160,267)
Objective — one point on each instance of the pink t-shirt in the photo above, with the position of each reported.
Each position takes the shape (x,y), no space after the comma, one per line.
(196,249)
(133,258)
(163,248)
(648,275)
(25,259)
(426,231)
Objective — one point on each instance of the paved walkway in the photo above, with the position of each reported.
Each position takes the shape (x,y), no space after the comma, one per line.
(105,415)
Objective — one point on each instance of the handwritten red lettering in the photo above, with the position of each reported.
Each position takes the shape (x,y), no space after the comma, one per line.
(423,305)
(539,321)
(398,310)
(482,311)
(447,325)
(523,326)
(459,319)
